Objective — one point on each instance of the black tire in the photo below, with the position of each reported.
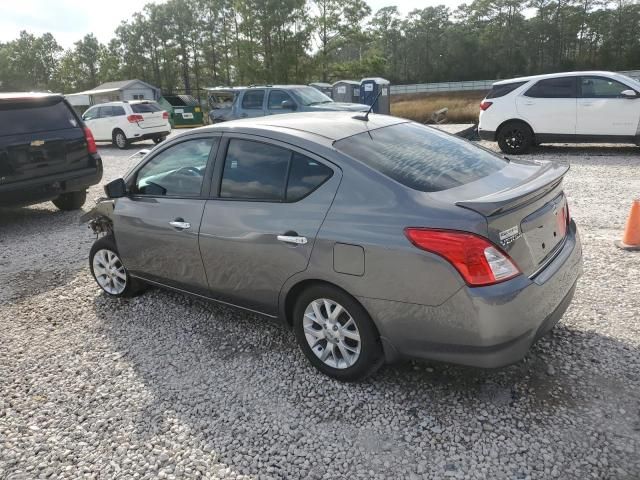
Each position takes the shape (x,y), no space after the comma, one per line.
(132,287)
(370,357)
(157,140)
(71,200)
(515,138)
(119,139)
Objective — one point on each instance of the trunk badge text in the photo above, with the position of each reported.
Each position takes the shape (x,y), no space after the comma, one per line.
(509,235)
(37,143)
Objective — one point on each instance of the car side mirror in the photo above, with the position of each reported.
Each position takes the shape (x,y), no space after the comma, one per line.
(629,94)
(115,188)
(288,105)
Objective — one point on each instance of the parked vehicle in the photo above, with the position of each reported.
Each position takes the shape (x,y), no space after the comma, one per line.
(184,111)
(561,107)
(125,122)
(277,99)
(374,239)
(46,153)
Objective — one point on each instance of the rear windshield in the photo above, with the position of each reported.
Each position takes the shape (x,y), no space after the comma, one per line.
(145,107)
(30,116)
(498,91)
(421,157)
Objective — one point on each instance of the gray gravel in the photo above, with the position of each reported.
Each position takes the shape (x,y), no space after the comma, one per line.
(165,386)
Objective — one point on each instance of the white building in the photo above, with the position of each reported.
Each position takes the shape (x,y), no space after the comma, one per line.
(115,91)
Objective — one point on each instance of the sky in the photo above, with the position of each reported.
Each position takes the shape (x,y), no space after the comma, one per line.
(70,20)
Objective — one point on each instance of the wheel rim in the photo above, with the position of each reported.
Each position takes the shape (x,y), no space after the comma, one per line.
(332,333)
(109,272)
(514,138)
(121,140)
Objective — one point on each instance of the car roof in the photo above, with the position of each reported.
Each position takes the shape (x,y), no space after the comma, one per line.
(27,95)
(555,75)
(330,125)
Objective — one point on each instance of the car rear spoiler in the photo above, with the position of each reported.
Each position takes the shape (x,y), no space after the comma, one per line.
(548,177)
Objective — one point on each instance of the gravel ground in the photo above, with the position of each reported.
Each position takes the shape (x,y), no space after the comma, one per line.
(165,386)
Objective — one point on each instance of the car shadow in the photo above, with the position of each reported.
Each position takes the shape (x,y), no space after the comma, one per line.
(223,372)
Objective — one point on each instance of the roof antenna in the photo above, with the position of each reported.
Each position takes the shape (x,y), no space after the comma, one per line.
(365,117)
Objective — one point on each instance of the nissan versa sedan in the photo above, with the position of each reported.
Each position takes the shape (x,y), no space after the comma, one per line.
(372,237)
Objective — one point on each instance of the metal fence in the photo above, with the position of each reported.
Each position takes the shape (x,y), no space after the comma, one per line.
(463,86)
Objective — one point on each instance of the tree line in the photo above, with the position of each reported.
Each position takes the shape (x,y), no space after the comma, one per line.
(182,45)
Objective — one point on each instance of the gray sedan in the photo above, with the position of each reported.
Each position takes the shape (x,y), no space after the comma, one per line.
(372,237)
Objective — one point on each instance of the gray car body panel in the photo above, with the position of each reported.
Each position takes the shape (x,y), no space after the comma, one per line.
(355,224)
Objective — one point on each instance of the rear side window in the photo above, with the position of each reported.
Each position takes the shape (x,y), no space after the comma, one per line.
(252,99)
(498,91)
(420,157)
(599,87)
(257,171)
(564,87)
(106,112)
(38,115)
(145,107)
(117,111)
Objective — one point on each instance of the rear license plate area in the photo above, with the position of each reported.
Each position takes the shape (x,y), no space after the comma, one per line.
(545,228)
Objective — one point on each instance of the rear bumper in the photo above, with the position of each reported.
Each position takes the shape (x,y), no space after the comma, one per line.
(486,326)
(41,189)
(140,134)
(489,135)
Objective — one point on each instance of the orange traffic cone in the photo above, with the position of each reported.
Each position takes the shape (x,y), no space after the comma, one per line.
(631,237)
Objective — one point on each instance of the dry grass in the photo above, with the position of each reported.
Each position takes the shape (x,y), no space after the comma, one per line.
(463,106)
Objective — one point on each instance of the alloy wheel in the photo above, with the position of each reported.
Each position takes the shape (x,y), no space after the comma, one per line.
(121,140)
(514,138)
(109,272)
(332,333)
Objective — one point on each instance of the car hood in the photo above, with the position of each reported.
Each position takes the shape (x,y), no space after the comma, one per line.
(338,106)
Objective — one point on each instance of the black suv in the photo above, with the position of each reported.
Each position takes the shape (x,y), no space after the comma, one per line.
(46,152)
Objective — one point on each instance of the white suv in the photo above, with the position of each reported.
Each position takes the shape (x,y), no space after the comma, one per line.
(126,122)
(561,107)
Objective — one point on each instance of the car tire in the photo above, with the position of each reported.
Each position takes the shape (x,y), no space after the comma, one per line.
(109,272)
(325,339)
(120,140)
(157,140)
(515,138)
(71,200)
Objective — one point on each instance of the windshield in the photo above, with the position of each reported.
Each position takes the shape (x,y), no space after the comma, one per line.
(421,157)
(631,81)
(310,96)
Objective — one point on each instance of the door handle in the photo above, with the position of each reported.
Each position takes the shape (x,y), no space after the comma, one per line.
(243,115)
(293,239)
(180,224)
(586,104)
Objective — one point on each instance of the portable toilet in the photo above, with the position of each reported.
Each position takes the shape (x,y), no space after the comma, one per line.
(184,111)
(369,90)
(325,88)
(346,91)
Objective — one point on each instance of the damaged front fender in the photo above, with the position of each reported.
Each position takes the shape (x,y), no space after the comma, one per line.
(100,217)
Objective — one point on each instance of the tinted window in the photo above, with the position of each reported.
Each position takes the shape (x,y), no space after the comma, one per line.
(106,112)
(27,116)
(599,87)
(117,111)
(178,170)
(553,88)
(421,157)
(498,91)
(254,170)
(305,175)
(145,107)
(252,99)
(276,97)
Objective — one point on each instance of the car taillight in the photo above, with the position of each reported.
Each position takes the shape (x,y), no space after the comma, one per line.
(476,258)
(91,142)
(484,105)
(135,118)
(165,115)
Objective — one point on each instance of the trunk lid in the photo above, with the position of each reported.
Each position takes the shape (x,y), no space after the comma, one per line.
(39,136)
(525,209)
(152,114)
